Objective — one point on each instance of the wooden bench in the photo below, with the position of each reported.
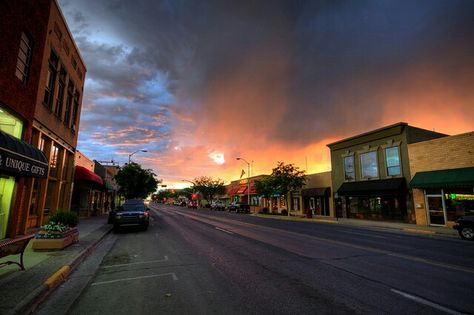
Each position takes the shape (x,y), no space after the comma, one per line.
(13,247)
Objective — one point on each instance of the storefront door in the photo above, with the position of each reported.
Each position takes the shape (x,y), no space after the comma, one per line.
(436,212)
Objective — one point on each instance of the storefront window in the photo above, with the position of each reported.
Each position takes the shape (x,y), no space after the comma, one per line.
(377,208)
(459,202)
(392,156)
(369,166)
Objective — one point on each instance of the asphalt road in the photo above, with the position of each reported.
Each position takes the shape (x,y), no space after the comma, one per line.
(205,262)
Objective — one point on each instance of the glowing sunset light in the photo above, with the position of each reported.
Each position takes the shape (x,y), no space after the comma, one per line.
(275,81)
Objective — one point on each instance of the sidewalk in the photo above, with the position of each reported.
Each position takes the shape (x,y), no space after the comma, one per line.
(406,227)
(20,290)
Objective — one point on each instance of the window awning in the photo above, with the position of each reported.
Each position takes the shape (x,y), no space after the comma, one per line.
(20,158)
(241,190)
(82,174)
(381,187)
(318,192)
(458,177)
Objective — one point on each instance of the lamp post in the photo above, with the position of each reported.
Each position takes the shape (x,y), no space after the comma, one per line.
(130,155)
(194,191)
(248,178)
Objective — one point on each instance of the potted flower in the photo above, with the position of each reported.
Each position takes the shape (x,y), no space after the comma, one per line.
(58,233)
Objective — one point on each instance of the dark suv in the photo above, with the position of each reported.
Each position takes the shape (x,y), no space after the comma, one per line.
(133,212)
(465,227)
(239,207)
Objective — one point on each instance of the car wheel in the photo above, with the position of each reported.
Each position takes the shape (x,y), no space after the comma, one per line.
(467,233)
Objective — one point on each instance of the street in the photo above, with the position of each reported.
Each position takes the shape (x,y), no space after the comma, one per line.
(206,262)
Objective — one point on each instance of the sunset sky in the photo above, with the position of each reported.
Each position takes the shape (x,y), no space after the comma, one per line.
(199,83)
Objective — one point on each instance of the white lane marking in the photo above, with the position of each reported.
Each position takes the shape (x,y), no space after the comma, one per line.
(425,302)
(172,274)
(225,231)
(138,263)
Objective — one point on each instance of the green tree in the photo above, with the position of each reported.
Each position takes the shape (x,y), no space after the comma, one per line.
(136,182)
(209,187)
(265,187)
(286,178)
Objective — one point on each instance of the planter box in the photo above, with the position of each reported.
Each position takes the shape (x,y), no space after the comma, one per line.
(55,241)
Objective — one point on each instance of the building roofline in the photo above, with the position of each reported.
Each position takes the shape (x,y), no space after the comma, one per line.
(404,124)
(70,35)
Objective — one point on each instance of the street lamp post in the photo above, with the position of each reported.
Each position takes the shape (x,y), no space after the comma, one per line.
(130,155)
(194,190)
(248,178)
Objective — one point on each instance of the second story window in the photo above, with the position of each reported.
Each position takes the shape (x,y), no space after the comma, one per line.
(75,108)
(23,62)
(61,86)
(51,80)
(392,156)
(67,111)
(349,172)
(368,165)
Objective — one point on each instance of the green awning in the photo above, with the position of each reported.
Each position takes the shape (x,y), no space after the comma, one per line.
(457,177)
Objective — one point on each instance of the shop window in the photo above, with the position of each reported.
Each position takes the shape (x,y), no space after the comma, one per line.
(23,62)
(48,204)
(459,202)
(369,166)
(349,172)
(10,124)
(392,156)
(34,197)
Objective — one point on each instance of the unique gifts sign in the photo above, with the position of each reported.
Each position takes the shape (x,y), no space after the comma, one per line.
(15,163)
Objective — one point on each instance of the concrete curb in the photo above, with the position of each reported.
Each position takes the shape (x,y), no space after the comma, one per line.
(34,299)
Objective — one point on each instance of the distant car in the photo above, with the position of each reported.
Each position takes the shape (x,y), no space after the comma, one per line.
(192,204)
(217,205)
(465,227)
(133,212)
(239,207)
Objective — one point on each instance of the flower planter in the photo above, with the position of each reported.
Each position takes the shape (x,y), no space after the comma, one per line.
(55,240)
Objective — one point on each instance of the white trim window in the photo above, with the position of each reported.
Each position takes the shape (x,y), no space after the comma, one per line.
(368,165)
(349,171)
(392,158)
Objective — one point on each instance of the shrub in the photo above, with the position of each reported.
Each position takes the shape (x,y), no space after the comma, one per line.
(284,212)
(65,217)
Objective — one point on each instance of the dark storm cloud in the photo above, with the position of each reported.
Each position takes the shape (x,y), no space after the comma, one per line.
(293,72)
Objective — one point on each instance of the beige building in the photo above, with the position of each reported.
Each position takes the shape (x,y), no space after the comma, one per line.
(443,179)
(316,196)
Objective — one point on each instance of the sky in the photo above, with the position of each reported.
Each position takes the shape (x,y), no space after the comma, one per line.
(198,83)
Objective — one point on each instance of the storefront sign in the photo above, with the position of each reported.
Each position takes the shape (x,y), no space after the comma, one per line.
(21,165)
(459,196)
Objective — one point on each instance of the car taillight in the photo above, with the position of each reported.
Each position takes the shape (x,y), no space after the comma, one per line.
(146,213)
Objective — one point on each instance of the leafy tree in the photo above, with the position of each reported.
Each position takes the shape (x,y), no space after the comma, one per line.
(209,187)
(286,178)
(136,182)
(265,187)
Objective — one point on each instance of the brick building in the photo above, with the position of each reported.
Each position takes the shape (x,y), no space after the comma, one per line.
(443,181)
(41,89)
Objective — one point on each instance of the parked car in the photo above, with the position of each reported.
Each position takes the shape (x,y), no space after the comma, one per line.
(239,207)
(193,204)
(133,212)
(217,205)
(465,227)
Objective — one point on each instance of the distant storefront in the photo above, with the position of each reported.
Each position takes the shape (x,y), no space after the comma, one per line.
(370,173)
(443,181)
